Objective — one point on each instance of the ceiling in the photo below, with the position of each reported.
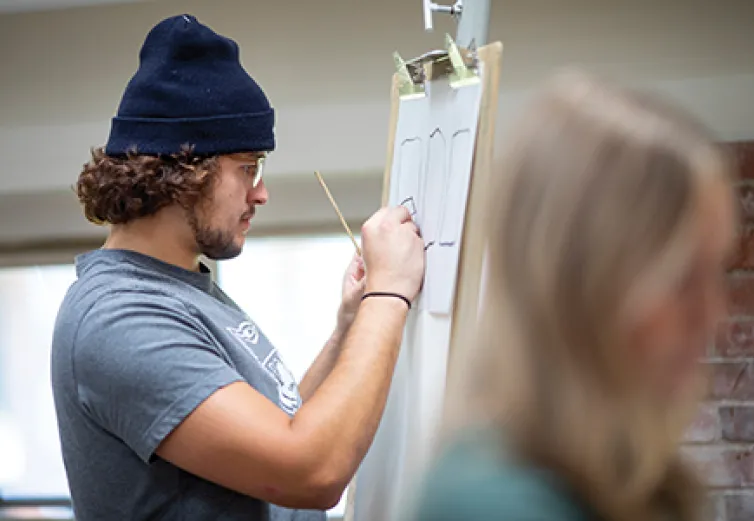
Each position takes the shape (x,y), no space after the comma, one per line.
(17,6)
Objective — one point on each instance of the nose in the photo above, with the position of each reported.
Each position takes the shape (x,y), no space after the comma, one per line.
(258,195)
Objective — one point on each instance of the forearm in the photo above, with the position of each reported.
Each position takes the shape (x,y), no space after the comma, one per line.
(341,418)
(321,367)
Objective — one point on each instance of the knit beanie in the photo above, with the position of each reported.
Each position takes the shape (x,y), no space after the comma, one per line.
(191,89)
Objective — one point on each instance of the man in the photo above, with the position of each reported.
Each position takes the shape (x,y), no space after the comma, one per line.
(171,404)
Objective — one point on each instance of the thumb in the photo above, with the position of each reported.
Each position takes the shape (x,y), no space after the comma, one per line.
(355,270)
(360,271)
(361,285)
(356,266)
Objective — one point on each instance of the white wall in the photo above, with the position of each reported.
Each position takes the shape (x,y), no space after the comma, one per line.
(326,66)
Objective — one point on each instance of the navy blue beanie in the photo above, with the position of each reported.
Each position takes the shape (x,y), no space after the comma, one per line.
(191,90)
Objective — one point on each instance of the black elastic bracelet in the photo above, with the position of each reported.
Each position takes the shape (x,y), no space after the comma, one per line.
(387,294)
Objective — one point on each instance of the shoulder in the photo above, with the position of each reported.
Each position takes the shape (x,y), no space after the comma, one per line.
(109,283)
(112,318)
(99,300)
(116,302)
(473,481)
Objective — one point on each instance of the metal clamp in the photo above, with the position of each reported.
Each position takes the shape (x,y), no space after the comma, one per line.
(431,7)
(461,66)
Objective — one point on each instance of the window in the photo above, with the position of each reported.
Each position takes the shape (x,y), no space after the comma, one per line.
(32,465)
(291,287)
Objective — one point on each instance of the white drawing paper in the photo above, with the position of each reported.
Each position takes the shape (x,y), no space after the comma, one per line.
(431,173)
(402,449)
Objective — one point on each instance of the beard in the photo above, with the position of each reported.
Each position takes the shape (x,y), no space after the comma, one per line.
(213,243)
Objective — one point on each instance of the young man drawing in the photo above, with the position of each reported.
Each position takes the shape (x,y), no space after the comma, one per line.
(171,403)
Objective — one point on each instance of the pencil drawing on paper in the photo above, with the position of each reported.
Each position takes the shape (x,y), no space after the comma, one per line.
(430,176)
(429,198)
(433,180)
(408,182)
(451,219)
(429,180)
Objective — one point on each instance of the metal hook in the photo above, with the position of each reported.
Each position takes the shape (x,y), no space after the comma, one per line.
(431,7)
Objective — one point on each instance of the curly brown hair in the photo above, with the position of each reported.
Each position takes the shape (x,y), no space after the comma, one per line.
(117,190)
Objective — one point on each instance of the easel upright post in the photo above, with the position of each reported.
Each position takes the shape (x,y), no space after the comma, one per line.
(473,17)
(474,23)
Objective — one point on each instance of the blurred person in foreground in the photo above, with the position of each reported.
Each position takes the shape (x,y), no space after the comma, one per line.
(609,239)
(171,402)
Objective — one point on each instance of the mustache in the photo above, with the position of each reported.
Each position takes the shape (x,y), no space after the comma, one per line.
(248,215)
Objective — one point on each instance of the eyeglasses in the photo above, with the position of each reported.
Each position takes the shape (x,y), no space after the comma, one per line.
(258,170)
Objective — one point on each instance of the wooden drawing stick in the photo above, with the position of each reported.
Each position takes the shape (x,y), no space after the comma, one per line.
(337,211)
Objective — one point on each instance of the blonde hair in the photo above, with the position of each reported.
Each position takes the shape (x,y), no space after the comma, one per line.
(593,217)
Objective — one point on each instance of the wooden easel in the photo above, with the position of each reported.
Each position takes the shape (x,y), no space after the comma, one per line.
(467,292)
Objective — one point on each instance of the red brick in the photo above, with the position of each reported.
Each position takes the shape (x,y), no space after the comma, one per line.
(741,294)
(722,467)
(746,202)
(743,151)
(706,425)
(732,380)
(737,423)
(735,338)
(743,254)
(739,507)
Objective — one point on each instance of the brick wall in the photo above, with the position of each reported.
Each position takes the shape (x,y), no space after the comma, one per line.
(722,438)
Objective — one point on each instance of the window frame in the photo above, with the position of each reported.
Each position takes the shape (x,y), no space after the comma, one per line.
(30,257)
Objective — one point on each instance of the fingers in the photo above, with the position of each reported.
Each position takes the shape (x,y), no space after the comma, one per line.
(359,263)
(411,225)
(359,273)
(393,214)
(402,214)
(398,214)
(356,267)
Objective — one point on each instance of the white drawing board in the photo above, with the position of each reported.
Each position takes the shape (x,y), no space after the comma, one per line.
(434,150)
(439,155)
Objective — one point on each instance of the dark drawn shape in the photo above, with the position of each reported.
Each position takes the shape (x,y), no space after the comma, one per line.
(410,205)
(453,204)
(409,171)
(434,186)
(433,195)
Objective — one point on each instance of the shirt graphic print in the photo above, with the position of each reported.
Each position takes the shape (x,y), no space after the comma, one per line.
(247,334)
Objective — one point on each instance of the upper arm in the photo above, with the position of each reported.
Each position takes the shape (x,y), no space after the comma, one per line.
(148,373)
(237,438)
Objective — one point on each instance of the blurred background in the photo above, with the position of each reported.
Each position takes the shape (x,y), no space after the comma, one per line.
(326,66)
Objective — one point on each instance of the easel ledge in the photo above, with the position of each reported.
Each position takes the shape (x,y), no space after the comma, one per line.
(468,288)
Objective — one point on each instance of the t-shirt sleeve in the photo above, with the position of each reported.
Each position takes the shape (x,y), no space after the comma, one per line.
(143,363)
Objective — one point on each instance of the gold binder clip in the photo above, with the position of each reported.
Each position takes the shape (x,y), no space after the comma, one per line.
(459,66)
(410,80)
(463,73)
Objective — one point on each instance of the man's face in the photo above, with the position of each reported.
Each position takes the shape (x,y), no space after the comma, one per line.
(220,222)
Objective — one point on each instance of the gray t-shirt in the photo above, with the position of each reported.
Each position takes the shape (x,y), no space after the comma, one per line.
(139,344)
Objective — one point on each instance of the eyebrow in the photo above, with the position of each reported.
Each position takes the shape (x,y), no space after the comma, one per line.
(248,156)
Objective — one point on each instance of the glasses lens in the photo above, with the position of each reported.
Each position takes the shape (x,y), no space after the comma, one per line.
(259,171)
